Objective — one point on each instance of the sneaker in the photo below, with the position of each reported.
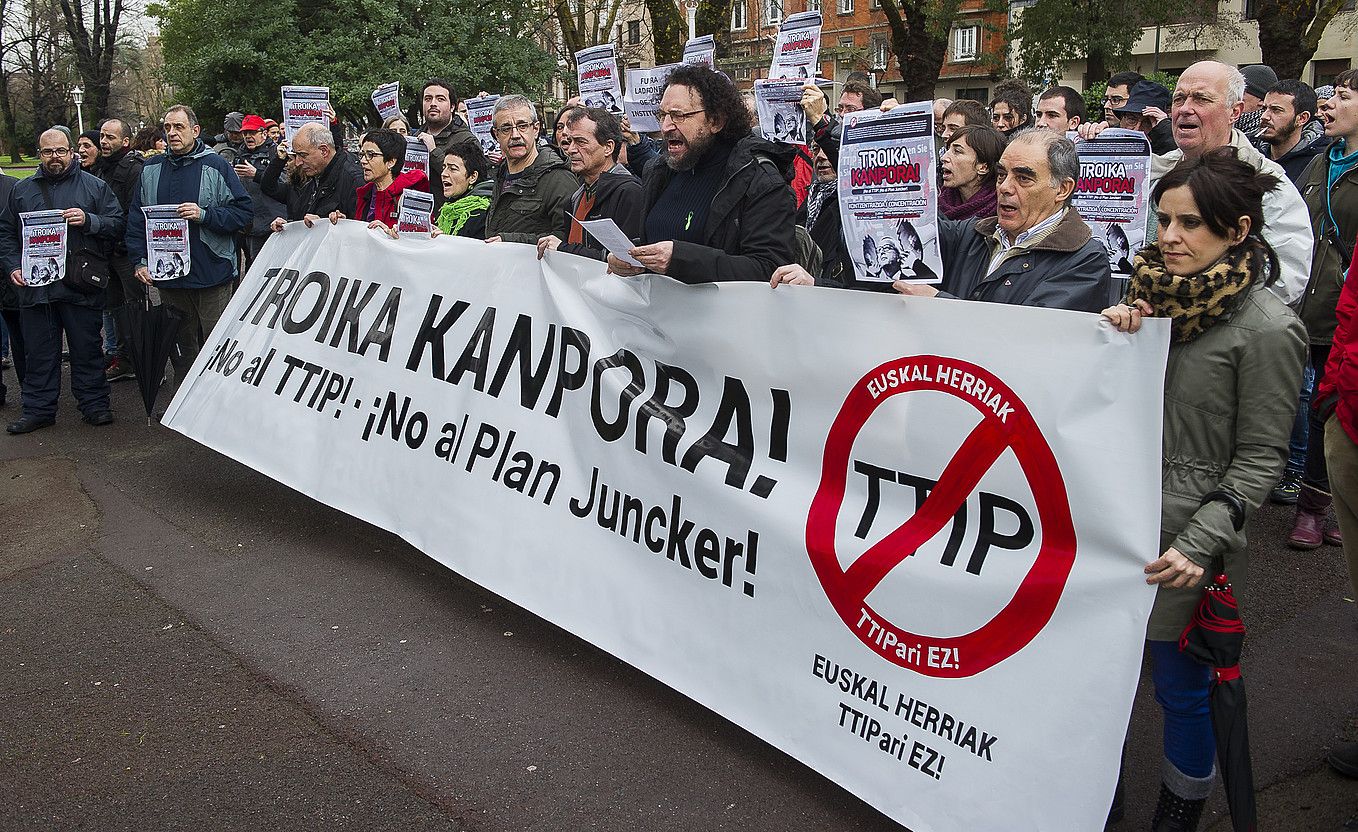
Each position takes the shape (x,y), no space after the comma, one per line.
(119,369)
(1287,490)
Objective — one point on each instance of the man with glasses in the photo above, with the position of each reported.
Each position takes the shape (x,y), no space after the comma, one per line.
(209,194)
(67,307)
(532,188)
(1116,94)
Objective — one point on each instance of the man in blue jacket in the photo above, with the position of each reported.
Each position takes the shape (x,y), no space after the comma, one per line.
(209,194)
(94,221)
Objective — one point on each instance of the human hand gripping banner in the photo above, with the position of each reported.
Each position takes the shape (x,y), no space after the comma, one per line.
(892,546)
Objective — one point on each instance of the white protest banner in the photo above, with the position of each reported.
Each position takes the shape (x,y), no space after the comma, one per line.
(43,238)
(778,104)
(167,242)
(386,99)
(417,155)
(888,200)
(414,212)
(644,88)
(796,52)
(303,105)
(890,546)
(596,71)
(480,112)
(701,50)
(1111,194)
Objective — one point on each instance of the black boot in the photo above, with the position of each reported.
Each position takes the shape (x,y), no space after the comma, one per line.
(1176,814)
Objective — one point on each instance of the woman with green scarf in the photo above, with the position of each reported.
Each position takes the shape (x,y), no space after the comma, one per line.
(1235,363)
(466,193)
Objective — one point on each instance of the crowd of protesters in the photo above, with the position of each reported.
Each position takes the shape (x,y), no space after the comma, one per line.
(1254,190)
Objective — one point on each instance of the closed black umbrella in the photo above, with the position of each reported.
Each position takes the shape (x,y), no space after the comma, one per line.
(1215,637)
(148,334)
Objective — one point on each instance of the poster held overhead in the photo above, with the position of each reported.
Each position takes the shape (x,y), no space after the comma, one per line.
(596,71)
(43,259)
(888,197)
(1112,196)
(480,112)
(797,50)
(642,102)
(303,105)
(386,99)
(701,50)
(779,106)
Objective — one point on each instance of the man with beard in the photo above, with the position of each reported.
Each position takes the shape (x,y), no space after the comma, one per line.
(533,185)
(1259,79)
(592,140)
(719,207)
(93,221)
(442,129)
(121,171)
(1289,132)
(252,162)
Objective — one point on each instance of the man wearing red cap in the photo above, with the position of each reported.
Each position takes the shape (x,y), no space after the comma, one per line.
(256,151)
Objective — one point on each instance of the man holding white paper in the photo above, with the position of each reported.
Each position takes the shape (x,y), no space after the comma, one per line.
(592,141)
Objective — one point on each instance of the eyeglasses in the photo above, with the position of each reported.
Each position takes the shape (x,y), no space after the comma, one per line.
(49,152)
(521,126)
(676,117)
(1115,99)
(370,155)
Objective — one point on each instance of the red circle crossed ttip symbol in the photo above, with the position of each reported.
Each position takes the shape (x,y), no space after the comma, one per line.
(1035,600)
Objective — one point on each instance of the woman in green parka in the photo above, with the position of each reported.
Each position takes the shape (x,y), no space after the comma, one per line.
(1235,358)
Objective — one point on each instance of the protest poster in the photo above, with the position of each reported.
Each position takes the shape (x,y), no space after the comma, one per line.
(642,102)
(414,212)
(797,50)
(1112,195)
(596,71)
(43,259)
(894,552)
(303,105)
(167,242)
(779,105)
(701,50)
(386,99)
(417,155)
(888,199)
(481,114)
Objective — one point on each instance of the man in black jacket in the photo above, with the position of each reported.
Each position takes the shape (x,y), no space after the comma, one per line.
(94,220)
(592,139)
(330,178)
(9,303)
(121,171)
(718,206)
(443,129)
(257,151)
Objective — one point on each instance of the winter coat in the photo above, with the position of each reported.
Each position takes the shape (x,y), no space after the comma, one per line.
(1294,161)
(1066,269)
(9,293)
(530,207)
(617,196)
(122,173)
(1338,388)
(72,188)
(639,155)
(333,189)
(1286,225)
(386,204)
(456,134)
(266,207)
(475,225)
(1333,246)
(750,225)
(207,179)
(1230,400)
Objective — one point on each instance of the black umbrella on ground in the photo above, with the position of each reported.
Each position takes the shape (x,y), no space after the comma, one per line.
(1215,637)
(148,333)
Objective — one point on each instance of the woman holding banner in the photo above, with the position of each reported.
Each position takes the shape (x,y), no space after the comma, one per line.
(1235,357)
(466,193)
(381,156)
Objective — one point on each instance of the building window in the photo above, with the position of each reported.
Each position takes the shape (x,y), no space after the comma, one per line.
(880,52)
(738,15)
(1250,10)
(773,12)
(846,6)
(980,94)
(742,73)
(634,32)
(1323,72)
(965,42)
(846,43)
(813,5)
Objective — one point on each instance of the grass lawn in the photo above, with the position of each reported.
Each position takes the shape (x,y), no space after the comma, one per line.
(23,170)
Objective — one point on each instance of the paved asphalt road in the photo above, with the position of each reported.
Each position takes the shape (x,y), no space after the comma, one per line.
(185,644)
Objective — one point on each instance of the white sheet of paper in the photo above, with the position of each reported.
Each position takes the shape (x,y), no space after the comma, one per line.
(611,237)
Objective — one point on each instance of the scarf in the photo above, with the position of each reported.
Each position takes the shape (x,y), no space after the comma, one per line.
(816,199)
(1195,303)
(453,215)
(1249,123)
(981,205)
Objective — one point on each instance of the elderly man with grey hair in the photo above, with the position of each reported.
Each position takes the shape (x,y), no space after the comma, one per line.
(1037,251)
(532,188)
(324,177)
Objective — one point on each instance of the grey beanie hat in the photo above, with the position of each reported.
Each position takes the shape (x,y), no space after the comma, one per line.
(1259,79)
(233,122)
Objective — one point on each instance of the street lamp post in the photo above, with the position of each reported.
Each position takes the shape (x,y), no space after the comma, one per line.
(78,95)
(692,7)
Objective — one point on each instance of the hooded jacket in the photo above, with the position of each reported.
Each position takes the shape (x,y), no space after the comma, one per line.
(207,179)
(1294,161)
(749,227)
(529,207)
(1066,269)
(333,189)
(1334,245)
(72,188)
(387,203)
(617,196)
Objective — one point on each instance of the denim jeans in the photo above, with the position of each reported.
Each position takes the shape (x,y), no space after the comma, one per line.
(1182,687)
(1296,446)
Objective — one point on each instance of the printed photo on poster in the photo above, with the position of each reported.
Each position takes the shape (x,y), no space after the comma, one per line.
(596,71)
(1111,193)
(413,212)
(167,242)
(797,50)
(417,155)
(480,112)
(43,259)
(779,106)
(303,105)
(888,196)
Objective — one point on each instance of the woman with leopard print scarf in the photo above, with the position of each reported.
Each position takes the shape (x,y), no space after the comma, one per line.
(1235,363)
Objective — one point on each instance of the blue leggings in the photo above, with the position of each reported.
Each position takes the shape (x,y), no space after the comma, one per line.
(1182,686)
